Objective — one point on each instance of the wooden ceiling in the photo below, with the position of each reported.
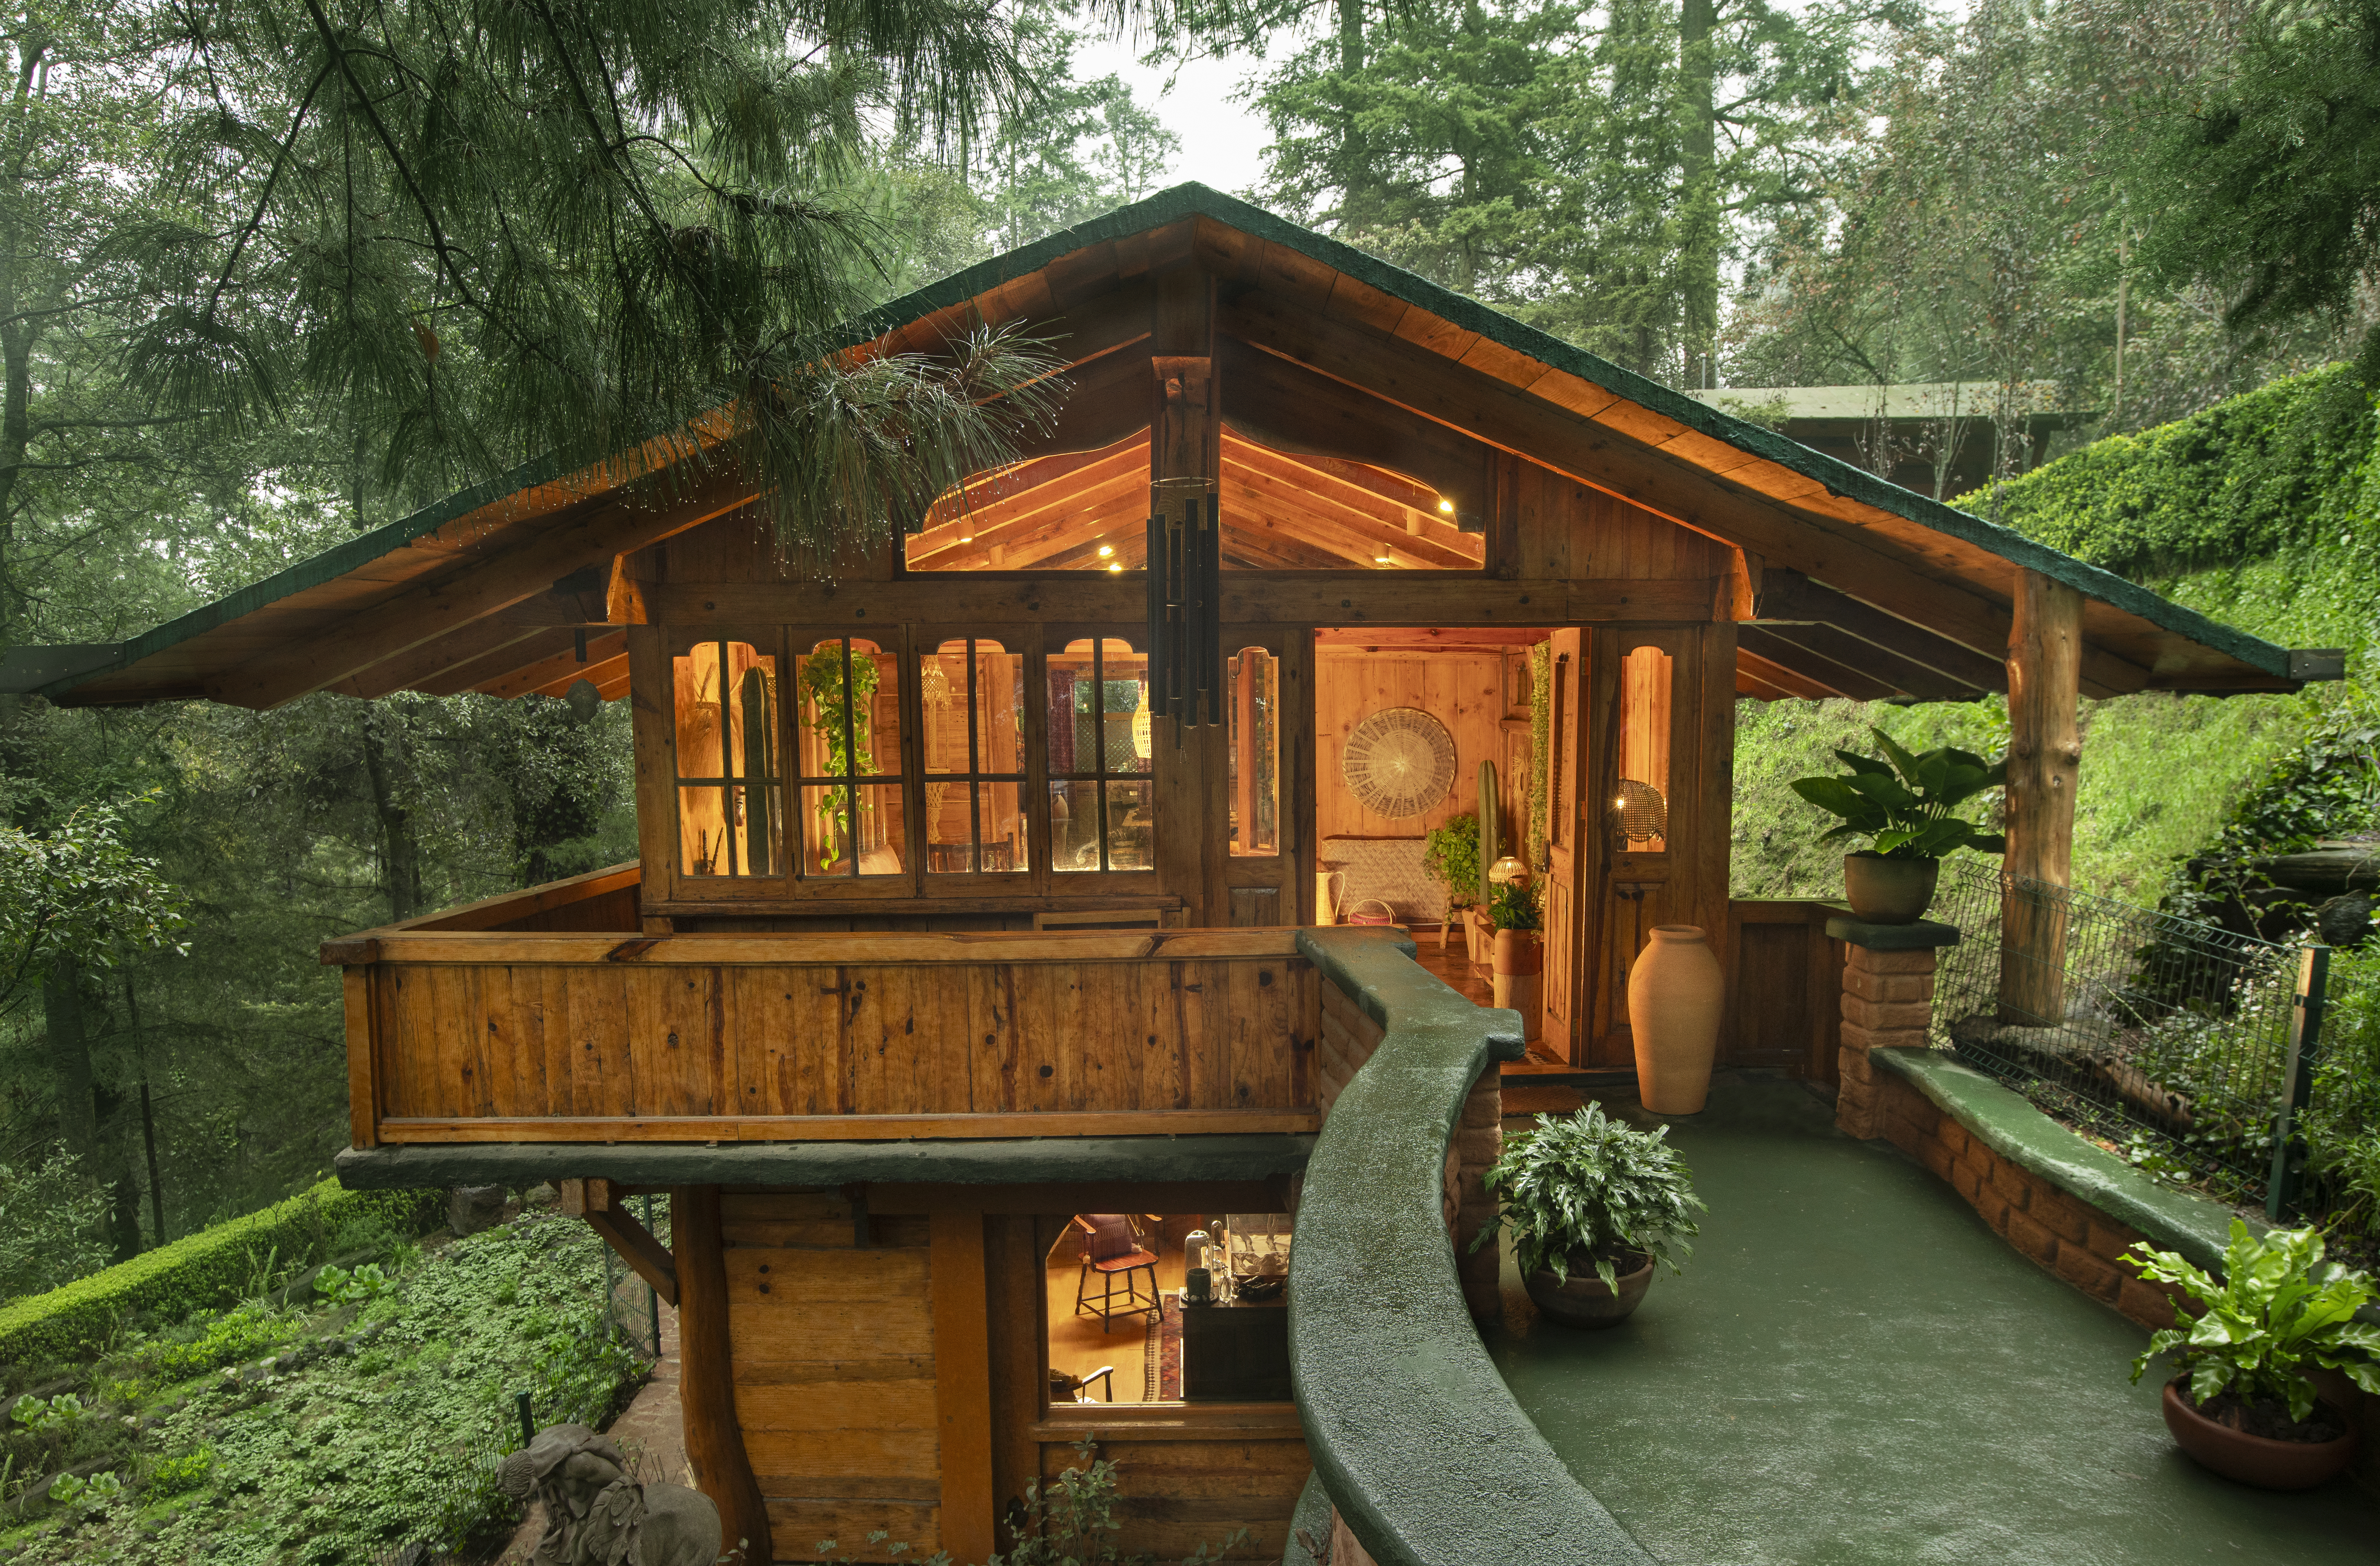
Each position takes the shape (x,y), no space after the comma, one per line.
(1085,511)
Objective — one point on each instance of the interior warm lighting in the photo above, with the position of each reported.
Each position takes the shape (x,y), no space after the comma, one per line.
(1115,565)
(1381,559)
(1447,506)
(1105,550)
(966,538)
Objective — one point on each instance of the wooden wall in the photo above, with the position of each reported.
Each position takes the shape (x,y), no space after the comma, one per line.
(580,1045)
(835,1373)
(1464,691)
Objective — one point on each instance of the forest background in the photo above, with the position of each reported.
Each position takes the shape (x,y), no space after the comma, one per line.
(257,291)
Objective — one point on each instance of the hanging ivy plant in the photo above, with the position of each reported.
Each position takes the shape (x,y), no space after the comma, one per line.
(850,752)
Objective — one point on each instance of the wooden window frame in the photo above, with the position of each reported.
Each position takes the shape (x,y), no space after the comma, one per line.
(1104,880)
(1018,642)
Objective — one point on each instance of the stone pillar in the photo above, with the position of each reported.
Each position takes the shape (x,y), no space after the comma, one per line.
(1887,1003)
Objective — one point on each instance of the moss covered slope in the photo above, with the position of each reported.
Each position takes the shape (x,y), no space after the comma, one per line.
(2262,512)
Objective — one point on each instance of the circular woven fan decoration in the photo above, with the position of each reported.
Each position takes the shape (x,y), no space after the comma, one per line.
(1399,762)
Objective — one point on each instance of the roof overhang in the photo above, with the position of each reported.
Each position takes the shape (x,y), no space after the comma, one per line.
(514,585)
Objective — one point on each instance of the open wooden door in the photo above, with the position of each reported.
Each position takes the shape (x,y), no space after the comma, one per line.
(1565,928)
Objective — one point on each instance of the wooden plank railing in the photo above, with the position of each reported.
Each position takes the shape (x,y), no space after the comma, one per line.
(555,1037)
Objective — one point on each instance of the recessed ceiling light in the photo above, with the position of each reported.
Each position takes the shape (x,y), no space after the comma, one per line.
(1447,506)
(1115,565)
(966,538)
(1382,559)
(1105,550)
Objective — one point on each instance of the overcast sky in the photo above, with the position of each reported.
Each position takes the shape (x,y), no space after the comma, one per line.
(1222,143)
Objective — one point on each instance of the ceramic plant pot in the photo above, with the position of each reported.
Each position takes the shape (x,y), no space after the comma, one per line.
(2253,1460)
(1515,964)
(1673,1002)
(1890,892)
(1583,1301)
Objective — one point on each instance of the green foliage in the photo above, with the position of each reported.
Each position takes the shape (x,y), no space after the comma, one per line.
(1515,906)
(2278,1310)
(179,1476)
(223,1339)
(49,1214)
(80,894)
(2259,473)
(1905,805)
(1587,1188)
(1070,1520)
(2263,168)
(1450,856)
(2341,1125)
(1541,749)
(198,1271)
(340,1286)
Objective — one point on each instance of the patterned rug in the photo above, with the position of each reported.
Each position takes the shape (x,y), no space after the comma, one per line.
(1161,1357)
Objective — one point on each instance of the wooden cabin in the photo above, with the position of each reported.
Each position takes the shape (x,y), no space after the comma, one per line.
(939,946)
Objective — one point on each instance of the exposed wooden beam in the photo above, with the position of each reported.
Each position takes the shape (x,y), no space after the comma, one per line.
(1289,407)
(1789,597)
(560,670)
(1349,530)
(1024,527)
(1841,648)
(1357,541)
(597,1201)
(545,644)
(1377,495)
(1791,682)
(1843,679)
(1428,637)
(463,645)
(420,614)
(1005,494)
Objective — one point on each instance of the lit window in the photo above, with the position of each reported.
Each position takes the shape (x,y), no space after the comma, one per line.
(847,745)
(971,698)
(727,778)
(1101,800)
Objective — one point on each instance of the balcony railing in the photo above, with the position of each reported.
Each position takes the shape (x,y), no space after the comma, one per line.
(512,1035)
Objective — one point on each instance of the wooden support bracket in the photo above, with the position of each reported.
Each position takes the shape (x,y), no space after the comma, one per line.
(600,1203)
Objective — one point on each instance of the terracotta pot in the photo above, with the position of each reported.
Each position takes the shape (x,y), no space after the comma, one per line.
(1583,1301)
(1673,1003)
(1890,892)
(2255,1459)
(1515,964)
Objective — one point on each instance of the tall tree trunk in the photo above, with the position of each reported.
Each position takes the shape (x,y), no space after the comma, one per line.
(148,1117)
(1359,185)
(400,849)
(70,1060)
(1700,224)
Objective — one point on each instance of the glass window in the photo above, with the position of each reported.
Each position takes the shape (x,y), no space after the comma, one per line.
(847,747)
(1101,799)
(1253,682)
(971,698)
(1641,812)
(1219,1281)
(728,797)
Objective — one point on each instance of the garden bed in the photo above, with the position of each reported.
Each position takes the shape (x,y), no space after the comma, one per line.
(352,1417)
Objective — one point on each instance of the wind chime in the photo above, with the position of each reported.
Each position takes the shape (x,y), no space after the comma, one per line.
(1186,604)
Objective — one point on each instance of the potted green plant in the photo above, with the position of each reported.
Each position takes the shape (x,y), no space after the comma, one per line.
(1516,961)
(1906,807)
(2242,1403)
(1449,856)
(1592,1206)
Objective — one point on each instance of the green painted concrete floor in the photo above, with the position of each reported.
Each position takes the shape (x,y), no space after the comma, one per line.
(1854,1368)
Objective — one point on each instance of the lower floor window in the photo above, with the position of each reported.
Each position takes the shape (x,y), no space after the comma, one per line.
(1169,1307)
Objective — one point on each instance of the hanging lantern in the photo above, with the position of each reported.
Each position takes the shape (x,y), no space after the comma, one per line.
(1185,603)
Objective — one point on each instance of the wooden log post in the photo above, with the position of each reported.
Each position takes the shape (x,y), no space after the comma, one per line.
(714,1437)
(1186,441)
(2045,670)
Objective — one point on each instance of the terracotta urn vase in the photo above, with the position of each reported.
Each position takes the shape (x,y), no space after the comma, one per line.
(2256,1460)
(1890,892)
(1673,1003)
(1515,964)
(1583,1301)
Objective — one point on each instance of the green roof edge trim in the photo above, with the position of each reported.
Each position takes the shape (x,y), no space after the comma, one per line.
(1193,200)
(313,571)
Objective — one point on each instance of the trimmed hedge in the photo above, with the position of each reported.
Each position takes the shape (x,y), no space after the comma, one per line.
(2251,476)
(199,1272)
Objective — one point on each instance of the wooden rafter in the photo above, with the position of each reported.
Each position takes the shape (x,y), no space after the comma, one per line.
(1779,678)
(1843,679)
(562,668)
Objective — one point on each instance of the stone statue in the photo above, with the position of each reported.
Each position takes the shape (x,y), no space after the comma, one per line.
(596,1514)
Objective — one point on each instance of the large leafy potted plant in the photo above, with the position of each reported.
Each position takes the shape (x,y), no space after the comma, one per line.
(2242,1403)
(1592,1206)
(1449,856)
(1906,807)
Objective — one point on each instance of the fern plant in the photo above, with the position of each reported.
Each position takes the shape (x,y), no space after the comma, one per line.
(2278,1310)
(1588,1189)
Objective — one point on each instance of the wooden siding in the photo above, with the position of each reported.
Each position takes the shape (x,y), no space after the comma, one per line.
(542,1037)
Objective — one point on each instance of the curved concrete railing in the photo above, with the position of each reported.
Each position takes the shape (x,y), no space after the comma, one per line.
(1422,1448)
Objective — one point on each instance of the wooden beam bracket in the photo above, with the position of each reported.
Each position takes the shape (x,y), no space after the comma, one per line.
(600,1203)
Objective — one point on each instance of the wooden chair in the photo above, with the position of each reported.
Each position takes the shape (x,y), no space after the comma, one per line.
(1111,1248)
(1078,1389)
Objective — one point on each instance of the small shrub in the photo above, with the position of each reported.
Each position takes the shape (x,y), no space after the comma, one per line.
(1587,1187)
(2279,1310)
(179,1476)
(340,1286)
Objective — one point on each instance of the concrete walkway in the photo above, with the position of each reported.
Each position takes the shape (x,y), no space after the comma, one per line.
(1854,1369)
(649,1432)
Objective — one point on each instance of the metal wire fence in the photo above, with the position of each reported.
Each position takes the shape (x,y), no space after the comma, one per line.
(634,1311)
(2168,1037)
